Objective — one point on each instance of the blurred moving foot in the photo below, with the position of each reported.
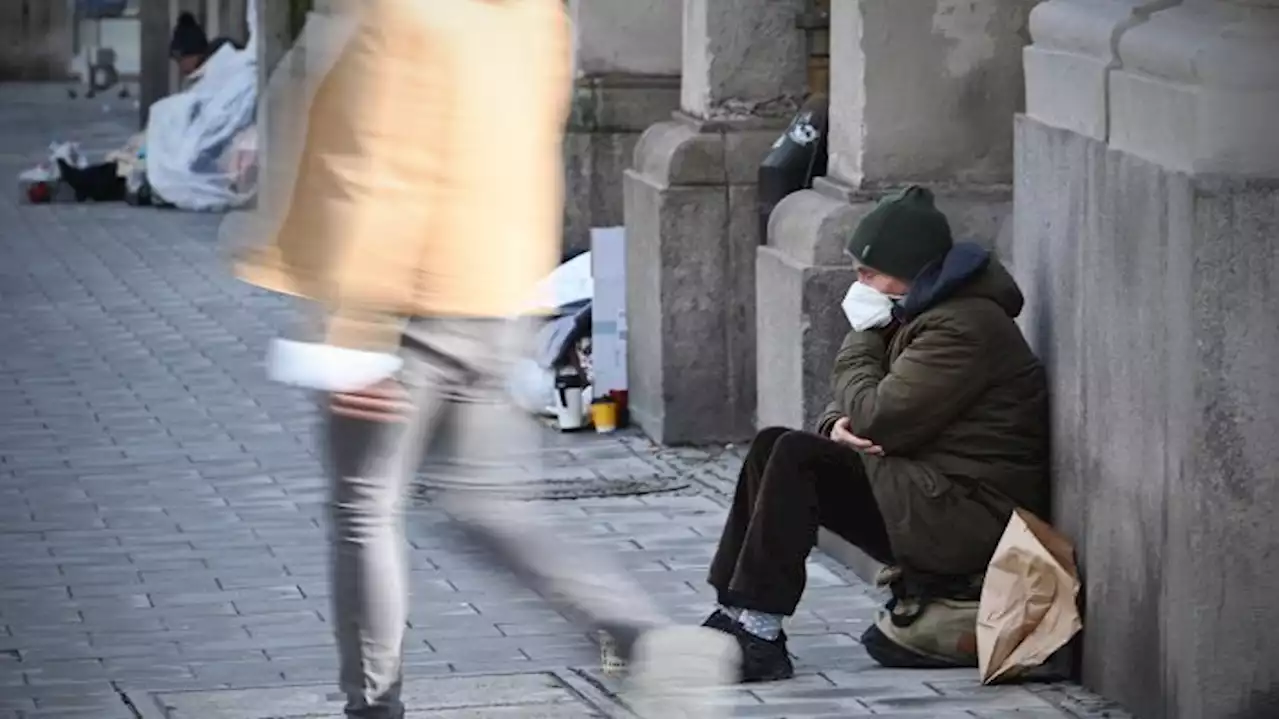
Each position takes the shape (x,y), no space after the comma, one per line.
(682,673)
(613,660)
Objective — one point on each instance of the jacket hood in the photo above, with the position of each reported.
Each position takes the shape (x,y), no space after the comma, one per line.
(967,270)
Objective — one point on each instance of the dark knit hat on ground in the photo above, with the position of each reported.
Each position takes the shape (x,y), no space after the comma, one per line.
(188,37)
(902,235)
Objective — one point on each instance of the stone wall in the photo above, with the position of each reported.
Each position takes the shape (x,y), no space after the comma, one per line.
(626,56)
(1145,240)
(1152,299)
(609,113)
(691,218)
(35,40)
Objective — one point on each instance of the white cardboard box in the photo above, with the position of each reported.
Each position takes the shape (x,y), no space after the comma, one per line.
(609,309)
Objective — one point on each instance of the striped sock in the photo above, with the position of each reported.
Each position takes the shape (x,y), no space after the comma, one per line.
(732,612)
(762,624)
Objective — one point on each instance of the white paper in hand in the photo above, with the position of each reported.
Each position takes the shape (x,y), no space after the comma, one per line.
(328,368)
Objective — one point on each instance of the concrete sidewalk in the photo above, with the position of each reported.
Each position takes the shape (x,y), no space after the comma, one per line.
(160,506)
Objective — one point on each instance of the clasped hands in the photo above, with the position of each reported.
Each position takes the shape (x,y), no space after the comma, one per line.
(840,433)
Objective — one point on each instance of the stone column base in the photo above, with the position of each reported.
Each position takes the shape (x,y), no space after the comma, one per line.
(608,115)
(690,203)
(802,275)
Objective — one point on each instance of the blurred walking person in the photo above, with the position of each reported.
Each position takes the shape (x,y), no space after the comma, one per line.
(422,206)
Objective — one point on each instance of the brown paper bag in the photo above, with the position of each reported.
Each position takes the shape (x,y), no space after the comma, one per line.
(1028,608)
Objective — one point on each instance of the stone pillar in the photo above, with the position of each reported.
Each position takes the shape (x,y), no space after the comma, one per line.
(215,20)
(1145,241)
(921,92)
(272,22)
(155,62)
(627,67)
(228,18)
(690,216)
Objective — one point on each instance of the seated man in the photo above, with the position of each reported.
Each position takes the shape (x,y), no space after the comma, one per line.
(937,430)
(189,47)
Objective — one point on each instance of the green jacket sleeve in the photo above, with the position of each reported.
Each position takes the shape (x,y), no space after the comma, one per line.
(828,419)
(941,372)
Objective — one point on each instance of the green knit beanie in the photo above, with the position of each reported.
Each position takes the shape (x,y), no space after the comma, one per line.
(902,235)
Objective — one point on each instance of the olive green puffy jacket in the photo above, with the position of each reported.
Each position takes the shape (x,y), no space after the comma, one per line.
(959,403)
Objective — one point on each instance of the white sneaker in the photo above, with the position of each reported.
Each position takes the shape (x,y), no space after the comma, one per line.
(682,673)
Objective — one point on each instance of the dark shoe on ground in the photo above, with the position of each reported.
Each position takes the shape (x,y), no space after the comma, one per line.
(375,713)
(764,660)
(941,634)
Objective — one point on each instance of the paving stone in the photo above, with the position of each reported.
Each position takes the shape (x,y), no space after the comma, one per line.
(524,711)
(536,691)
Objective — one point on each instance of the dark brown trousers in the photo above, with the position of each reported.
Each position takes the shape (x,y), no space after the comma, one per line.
(790,484)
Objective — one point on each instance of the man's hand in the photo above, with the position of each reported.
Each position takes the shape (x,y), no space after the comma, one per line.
(386,401)
(840,433)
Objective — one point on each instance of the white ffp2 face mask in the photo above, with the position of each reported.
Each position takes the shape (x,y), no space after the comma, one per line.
(866,307)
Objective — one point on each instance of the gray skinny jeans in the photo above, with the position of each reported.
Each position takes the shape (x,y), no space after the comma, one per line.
(454,371)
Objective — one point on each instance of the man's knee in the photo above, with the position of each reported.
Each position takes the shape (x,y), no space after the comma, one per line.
(763,443)
(796,447)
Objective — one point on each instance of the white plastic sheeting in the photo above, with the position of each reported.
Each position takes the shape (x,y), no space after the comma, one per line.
(190,134)
(530,385)
(567,284)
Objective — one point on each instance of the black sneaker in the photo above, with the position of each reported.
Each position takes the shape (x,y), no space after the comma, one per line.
(764,660)
(721,622)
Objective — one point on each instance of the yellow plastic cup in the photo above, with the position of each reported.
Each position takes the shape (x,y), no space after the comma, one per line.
(604,415)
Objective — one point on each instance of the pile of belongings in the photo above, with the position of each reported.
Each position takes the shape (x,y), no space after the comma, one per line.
(200,143)
(562,337)
(44,182)
(67,175)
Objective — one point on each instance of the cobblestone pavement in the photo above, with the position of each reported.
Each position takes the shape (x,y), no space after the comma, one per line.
(160,504)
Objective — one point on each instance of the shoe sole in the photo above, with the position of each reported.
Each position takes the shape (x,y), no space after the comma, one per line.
(786,672)
(889,653)
(683,673)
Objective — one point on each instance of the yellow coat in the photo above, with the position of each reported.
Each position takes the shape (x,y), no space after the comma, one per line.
(429,182)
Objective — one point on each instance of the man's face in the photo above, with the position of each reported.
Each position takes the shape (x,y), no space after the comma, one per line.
(188,64)
(879,281)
